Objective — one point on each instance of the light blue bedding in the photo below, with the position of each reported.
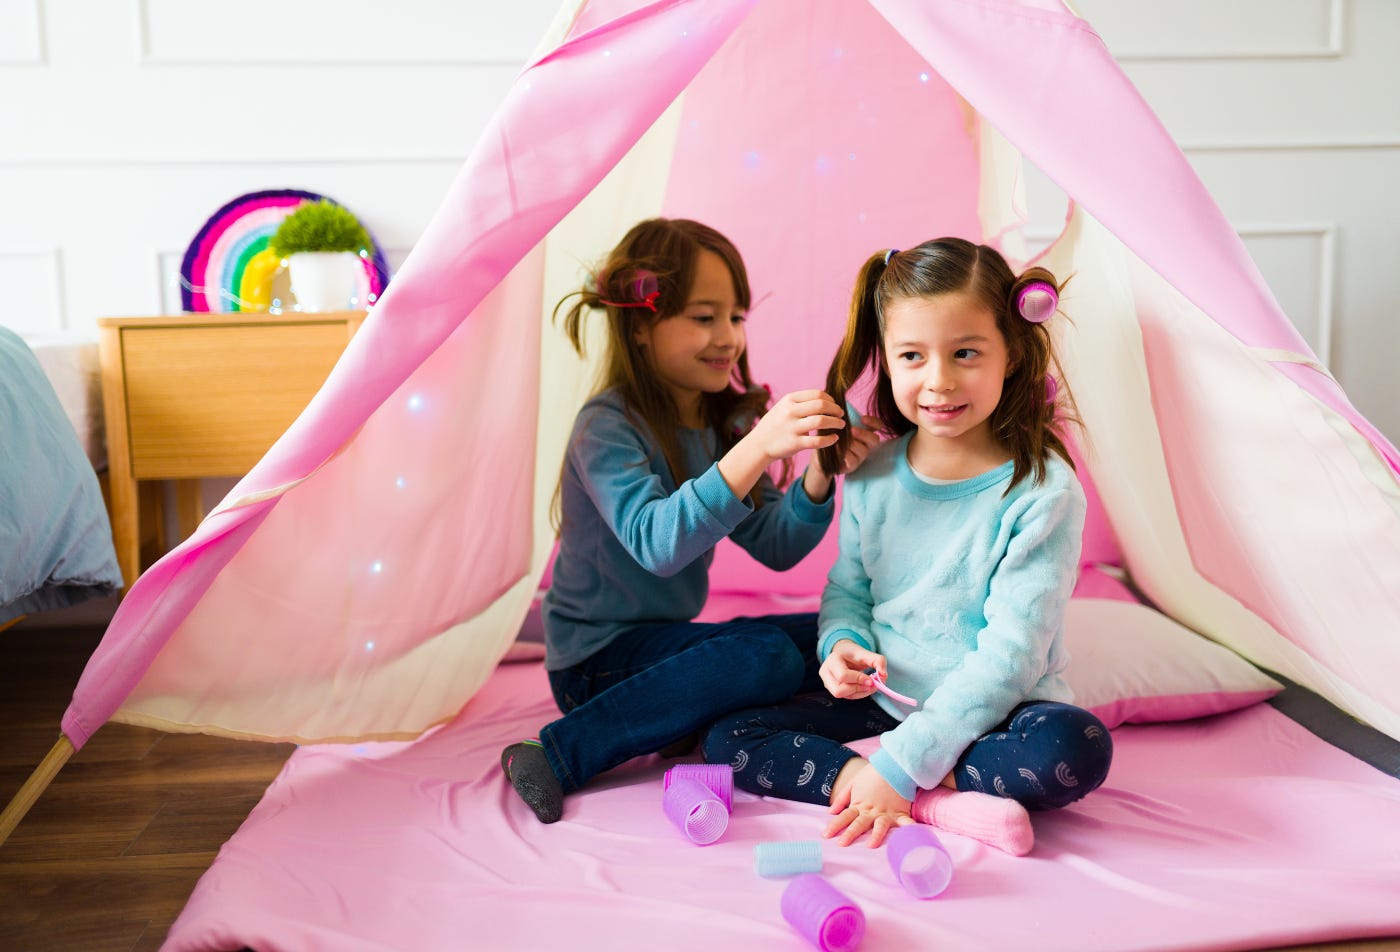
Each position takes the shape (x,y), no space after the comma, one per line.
(55,540)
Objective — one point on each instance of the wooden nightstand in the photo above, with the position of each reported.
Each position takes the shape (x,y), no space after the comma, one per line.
(203,395)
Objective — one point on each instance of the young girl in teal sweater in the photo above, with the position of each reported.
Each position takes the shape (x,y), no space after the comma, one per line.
(960,542)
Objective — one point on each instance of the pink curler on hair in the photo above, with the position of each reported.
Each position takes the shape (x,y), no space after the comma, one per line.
(888,692)
(644,290)
(1037,301)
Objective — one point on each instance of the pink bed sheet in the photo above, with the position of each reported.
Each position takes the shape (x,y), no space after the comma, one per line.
(1235,832)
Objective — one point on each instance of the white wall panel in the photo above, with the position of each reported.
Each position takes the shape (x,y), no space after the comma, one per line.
(1203,29)
(21,33)
(1357,193)
(139,118)
(33,291)
(1298,263)
(124,231)
(1229,102)
(361,33)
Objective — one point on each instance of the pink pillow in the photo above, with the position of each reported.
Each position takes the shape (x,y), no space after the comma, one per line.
(1130,664)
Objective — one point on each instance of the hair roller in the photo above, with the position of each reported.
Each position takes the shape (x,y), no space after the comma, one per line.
(641,289)
(1037,301)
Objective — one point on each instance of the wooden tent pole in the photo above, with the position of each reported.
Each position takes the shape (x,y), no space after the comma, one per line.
(37,783)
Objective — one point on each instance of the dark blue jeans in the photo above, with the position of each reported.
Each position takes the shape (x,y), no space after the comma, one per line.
(656,684)
(1044,755)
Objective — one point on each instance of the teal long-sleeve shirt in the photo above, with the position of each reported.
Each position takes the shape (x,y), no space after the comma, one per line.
(962,587)
(635,548)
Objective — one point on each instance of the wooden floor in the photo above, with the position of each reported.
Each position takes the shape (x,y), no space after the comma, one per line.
(110,853)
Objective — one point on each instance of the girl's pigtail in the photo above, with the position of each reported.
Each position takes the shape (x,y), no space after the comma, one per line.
(1034,405)
(584,300)
(859,350)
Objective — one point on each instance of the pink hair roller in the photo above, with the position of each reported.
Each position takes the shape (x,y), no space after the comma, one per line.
(718,777)
(1037,301)
(643,289)
(823,914)
(920,862)
(695,810)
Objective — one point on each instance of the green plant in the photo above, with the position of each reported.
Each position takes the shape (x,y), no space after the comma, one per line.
(319,226)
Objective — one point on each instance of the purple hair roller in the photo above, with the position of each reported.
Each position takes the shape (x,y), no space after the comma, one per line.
(643,288)
(823,914)
(920,863)
(718,777)
(1052,389)
(1037,301)
(695,810)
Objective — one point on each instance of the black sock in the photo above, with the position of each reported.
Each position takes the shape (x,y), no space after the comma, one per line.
(529,773)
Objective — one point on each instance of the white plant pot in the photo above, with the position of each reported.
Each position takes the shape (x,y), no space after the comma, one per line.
(323,280)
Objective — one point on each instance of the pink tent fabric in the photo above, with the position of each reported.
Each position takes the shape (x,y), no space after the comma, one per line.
(364,577)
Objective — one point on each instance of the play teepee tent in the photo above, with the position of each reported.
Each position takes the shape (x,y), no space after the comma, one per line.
(365,577)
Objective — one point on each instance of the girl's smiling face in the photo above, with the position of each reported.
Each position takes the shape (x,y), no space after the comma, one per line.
(947,362)
(697,350)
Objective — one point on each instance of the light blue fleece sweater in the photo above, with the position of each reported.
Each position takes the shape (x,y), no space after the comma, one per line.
(635,549)
(963,590)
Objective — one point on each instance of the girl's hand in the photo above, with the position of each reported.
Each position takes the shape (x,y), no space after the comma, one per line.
(867,803)
(843,671)
(817,481)
(792,424)
(863,440)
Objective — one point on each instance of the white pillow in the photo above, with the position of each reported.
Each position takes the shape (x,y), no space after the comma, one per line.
(1130,664)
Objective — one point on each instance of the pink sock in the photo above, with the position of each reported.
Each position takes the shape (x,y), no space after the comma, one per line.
(995,821)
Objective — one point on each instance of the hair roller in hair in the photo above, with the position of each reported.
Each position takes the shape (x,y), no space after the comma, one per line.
(1052,389)
(1037,301)
(642,291)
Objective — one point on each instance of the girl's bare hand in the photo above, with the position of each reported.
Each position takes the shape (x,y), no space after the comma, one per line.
(867,804)
(794,422)
(863,440)
(843,671)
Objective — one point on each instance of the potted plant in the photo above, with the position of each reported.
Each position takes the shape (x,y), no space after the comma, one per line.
(322,243)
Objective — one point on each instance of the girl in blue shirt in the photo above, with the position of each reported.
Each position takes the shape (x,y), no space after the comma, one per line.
(960,541)
(670,456)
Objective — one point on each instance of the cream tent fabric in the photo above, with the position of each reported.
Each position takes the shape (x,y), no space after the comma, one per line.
(366,576)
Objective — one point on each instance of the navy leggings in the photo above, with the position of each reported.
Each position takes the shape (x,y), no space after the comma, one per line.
(1044,755)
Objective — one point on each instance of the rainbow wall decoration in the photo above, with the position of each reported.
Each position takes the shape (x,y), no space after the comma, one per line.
(228,266)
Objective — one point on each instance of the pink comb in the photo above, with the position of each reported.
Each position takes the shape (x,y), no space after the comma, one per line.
(880,686)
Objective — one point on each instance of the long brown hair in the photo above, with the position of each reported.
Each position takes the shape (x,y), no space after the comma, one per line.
(664,250)
(1026,422)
